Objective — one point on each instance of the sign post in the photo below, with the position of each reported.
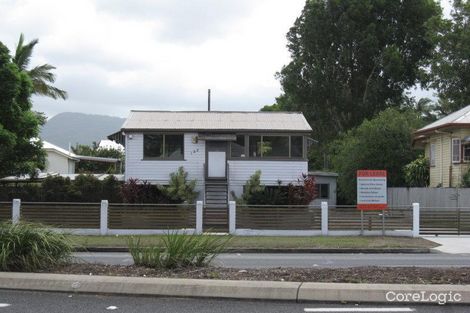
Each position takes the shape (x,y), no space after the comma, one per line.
(371,193)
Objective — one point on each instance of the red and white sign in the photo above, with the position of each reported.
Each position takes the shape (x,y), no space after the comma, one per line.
(371,189)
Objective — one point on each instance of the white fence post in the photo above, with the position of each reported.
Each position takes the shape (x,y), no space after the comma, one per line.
(15,211)
(324,218)
(104,217)
(415,219)
(232,217)
(199,208)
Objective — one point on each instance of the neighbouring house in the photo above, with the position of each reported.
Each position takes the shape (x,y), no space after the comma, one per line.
(325,183)
(110,144)
(59,160)
(446,143)
(220,150)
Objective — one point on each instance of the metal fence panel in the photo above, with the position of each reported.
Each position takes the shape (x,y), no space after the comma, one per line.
(151,216)
(5,211)
(278,217)
(444,221)
(62,215)
(350,218)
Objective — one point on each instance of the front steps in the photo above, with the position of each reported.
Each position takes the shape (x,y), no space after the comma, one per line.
(215,217)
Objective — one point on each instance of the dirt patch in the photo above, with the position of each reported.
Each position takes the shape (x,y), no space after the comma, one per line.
(385,275)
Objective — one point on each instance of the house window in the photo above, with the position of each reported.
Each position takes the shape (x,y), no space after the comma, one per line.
(275,146)
(432,154)
(296,146)
(237,148)
(255,146)
(456,151)
(164,146)
(323,191)
(466,152)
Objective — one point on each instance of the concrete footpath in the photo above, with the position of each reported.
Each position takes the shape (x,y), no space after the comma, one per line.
(261,290)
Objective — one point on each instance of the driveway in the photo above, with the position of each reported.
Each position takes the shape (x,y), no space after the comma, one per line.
(451,244)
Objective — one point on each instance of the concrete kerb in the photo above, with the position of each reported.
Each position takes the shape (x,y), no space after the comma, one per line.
(259,290)
(286,250)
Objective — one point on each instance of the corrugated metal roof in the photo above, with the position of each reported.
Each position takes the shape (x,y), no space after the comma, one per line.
(461,116)
(216,120)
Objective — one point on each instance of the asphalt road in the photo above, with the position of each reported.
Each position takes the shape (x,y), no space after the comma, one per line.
(49,302)
(265,260)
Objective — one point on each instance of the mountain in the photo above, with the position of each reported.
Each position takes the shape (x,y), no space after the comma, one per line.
(73,128)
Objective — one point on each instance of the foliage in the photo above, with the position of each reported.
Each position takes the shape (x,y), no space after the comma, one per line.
(29,247)
(56,189)
(466,179)
(86,188)
(352,59)
(303,192)
(98,167)
(384,142)
(179,188)
(178,250)
(417,172)
(41,75)
(254,193)
(450,66)
(111,189)
(20,152)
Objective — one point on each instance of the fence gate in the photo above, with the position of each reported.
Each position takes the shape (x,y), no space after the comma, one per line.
(444,221)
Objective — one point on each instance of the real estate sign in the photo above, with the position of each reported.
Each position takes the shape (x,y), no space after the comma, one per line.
(371,189)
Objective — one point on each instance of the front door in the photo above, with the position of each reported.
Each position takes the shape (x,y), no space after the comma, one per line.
(216,159)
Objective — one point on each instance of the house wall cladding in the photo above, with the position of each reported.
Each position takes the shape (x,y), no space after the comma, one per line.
(158,172)
(444,168)
(429,197)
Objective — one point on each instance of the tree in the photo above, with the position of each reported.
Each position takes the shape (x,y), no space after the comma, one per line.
(384,142)
(353,58)
(450,67)
(41,75)
(20,150)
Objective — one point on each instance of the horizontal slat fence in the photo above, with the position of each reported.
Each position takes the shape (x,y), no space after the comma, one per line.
(444,221)
(278,217)
(5,211)
(151,216)
(62,215)
(349,218)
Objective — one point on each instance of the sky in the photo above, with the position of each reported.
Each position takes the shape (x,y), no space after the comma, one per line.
(113,56)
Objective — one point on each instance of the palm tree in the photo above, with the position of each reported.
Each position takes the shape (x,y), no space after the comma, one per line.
(41,75)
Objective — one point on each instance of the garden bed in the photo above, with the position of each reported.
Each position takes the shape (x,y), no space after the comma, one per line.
(372,275)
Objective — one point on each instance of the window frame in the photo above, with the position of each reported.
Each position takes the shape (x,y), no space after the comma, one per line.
(263,158)
(459,154)
(319,190)
(432,154)
(162,158)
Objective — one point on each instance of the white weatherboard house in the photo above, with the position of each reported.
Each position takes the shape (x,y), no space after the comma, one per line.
(220,150)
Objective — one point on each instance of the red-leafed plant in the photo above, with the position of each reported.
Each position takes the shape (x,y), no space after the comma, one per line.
(303,192)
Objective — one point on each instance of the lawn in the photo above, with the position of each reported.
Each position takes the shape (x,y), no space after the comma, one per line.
(272,242)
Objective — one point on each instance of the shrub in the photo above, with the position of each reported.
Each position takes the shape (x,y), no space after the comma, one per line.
(180,189)
(304,192)
(178,250)
(86,188)
(417,172)
(27,247)
(301,193)
(111,189)
(141,191)
(466,179)
(56,189)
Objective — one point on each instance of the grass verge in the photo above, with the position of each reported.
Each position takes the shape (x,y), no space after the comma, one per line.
(268,242)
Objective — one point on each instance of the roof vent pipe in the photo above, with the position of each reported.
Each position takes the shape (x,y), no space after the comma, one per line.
(208,100)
